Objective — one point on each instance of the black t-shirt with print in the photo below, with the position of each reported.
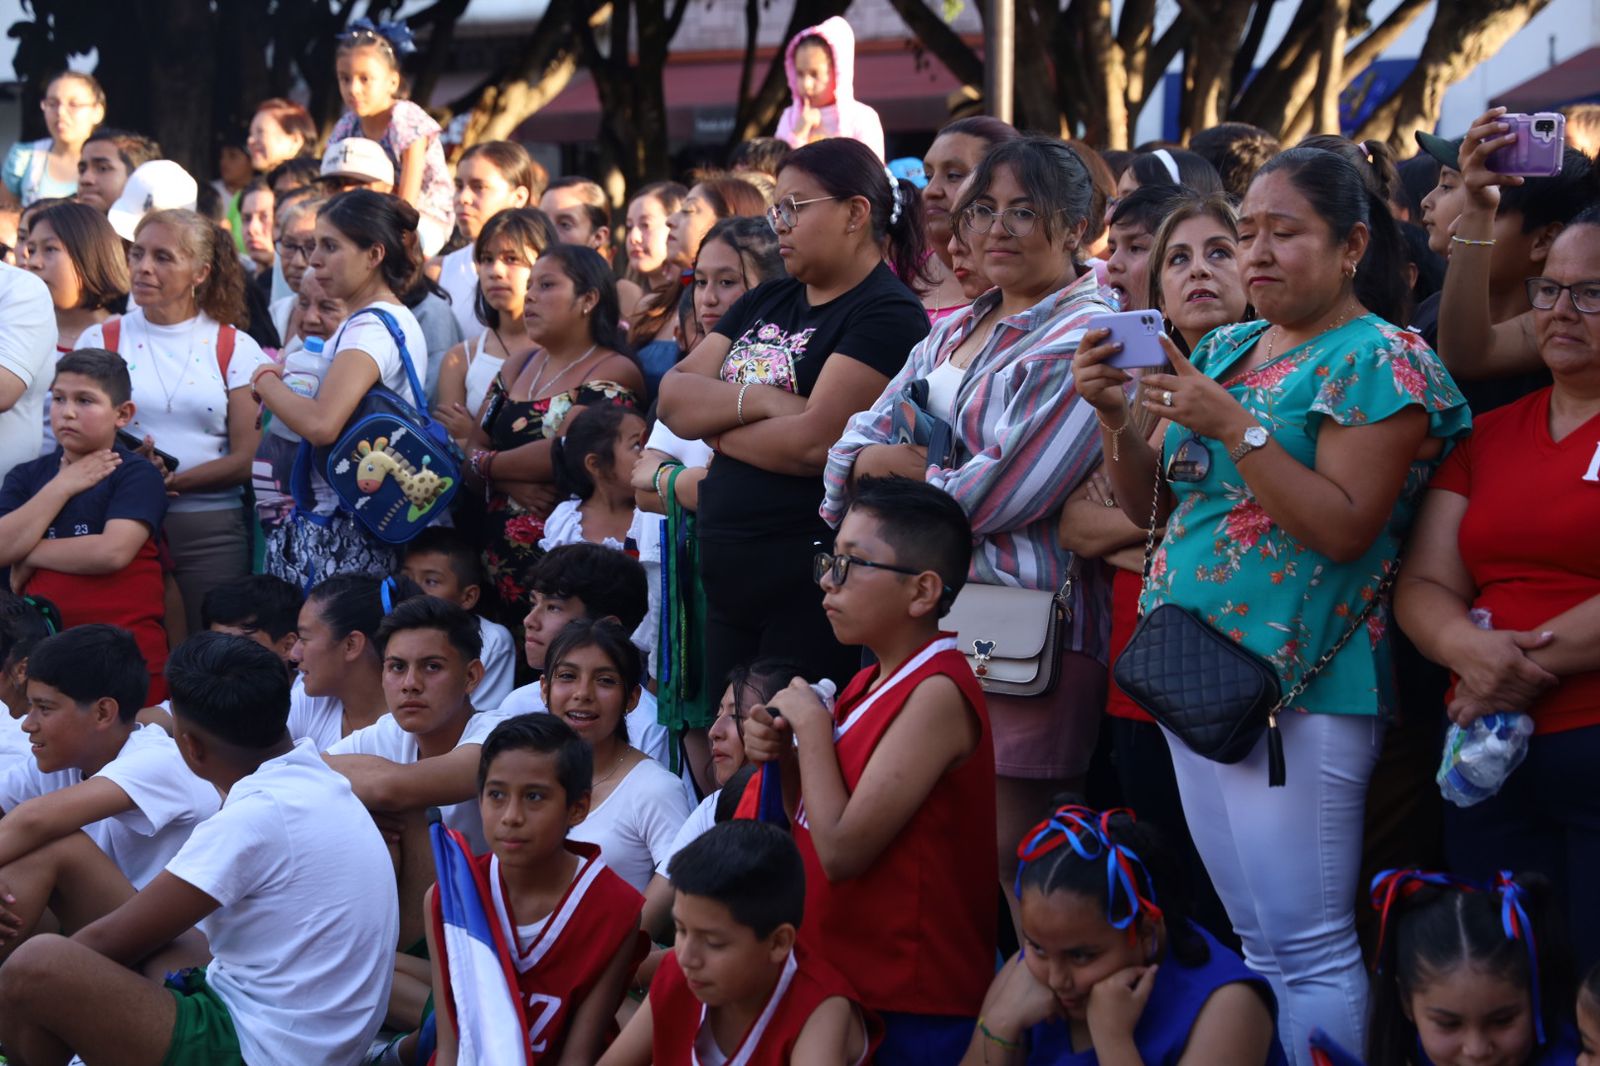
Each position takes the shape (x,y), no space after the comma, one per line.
(1481,396)
(780,339)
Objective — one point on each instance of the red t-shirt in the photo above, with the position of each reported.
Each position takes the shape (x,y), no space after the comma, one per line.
(1529,535)
(914,930)
(1125,586)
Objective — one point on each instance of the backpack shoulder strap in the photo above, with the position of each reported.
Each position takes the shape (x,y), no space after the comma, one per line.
(227,336)
(111,332)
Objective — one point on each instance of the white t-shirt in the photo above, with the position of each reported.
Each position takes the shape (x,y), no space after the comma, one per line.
(637,823)
(458,276)
(303,944)
(168,801)
(700,821)
(387,740)
(179,393)
(28,350)
(319,719)
(499,658)
(15,748)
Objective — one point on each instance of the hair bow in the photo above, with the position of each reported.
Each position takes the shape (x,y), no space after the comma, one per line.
(1393,886)
(1517,926)
(396,34)
(1087,832)
(386,591)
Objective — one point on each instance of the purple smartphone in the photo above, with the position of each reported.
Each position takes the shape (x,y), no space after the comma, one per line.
(1541,139)
(1139,333)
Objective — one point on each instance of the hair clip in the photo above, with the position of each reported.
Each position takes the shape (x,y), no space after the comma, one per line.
(46,613)
(1087,832)
(386,589)
(894,196)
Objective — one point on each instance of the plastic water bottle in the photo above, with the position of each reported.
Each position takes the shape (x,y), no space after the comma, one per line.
(1479,758)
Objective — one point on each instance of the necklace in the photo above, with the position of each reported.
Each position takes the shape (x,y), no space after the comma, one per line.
(533,390)
(155,359)
(1272,334)
(623,754)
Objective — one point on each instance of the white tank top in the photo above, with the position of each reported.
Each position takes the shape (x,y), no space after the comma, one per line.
(481,369)
(943,381)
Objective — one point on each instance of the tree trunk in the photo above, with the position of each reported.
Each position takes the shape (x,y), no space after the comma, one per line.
(937,37)
(1463,35)
(180,78)
(1330,67)
(1037,105)
(541,69)
(1109,70)
(1208,63)
(1280,84)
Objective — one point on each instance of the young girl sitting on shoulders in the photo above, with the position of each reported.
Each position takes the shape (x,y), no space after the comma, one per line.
(368,64)
(1467,974)
(594,462)
(1106,975)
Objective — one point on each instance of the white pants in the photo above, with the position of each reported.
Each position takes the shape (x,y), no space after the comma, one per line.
(1285,862)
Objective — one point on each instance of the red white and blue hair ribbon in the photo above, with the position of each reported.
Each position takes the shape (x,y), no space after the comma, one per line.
(1087,832)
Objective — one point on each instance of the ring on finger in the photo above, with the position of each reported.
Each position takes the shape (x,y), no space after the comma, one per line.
(1109,501)
(1166,397)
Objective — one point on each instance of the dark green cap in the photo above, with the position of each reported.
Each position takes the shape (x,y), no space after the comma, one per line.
(1447,152)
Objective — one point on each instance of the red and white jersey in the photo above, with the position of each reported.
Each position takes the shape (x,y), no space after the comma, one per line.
(677,1018)
(560,964)
(908,929)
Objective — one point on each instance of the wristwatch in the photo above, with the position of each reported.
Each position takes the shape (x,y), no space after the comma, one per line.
(1254,437)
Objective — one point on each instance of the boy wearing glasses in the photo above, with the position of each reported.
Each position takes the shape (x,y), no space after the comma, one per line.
(881,787)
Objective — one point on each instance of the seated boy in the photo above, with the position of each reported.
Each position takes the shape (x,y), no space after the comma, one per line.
(24,622)
(442,562)
(289,882)
(736,986)
(93,768)
(897,783)
(423,753)
(588,581)
(79,525)
(571,924)
(260,607)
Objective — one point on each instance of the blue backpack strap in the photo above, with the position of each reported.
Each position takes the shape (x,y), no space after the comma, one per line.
(305,501)
(420,397)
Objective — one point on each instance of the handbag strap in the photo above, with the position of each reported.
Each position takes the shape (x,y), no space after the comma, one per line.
(1317,667)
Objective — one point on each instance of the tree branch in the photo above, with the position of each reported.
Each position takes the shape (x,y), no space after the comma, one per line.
(937,37)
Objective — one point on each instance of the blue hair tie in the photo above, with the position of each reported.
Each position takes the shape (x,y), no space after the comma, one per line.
(397,35)
(1515,923)
(386,589)
(1088,833)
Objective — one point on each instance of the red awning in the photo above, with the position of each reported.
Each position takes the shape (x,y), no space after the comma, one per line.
(1576,80)
(908,90)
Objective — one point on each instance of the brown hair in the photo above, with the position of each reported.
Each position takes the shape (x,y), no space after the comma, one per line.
(514,164)
(221,296)
(294,120)
(730,195)
(88,81)
(94,248)
(526,227)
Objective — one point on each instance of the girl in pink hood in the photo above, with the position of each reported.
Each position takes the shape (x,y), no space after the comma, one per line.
(821,63)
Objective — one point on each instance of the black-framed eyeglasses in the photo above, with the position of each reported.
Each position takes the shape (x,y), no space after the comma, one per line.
(290,249)
(1017,221)
(838,567)
(1191,462)
(786,212)
(1545,293)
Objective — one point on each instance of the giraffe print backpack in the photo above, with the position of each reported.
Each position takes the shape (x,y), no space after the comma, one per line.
(393,468)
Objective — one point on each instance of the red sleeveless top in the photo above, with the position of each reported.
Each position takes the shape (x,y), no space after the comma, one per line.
(676,1015)
(916,931)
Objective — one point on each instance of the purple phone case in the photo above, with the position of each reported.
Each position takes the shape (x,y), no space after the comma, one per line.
(1541,140)
(1139,334)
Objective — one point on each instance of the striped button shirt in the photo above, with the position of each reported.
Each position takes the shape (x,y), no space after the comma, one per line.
(1024,442)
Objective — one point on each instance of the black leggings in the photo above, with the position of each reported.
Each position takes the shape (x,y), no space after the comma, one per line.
(760,600)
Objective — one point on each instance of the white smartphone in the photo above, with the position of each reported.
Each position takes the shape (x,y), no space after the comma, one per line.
(1139,333)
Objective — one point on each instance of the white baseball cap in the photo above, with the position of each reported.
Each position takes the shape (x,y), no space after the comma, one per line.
(159,185)
(360,158)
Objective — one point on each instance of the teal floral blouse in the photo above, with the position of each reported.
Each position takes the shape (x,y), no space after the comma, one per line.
(1227,561)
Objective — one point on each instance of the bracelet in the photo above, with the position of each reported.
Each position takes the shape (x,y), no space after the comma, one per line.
(1470,243)
(481,463)
(655,482)
(269,368)
(1116,435)
(739,407)
(998,1041)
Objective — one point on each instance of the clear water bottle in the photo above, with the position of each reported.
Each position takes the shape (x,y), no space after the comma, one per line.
(1478,758)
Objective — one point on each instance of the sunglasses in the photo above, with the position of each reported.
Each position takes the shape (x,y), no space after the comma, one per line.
(1191,462)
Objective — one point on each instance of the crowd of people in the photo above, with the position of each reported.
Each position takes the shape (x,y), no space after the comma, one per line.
(742,685)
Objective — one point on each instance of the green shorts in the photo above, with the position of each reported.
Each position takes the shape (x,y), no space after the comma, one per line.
(203,1034)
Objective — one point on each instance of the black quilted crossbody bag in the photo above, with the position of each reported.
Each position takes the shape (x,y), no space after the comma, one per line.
(1209,692)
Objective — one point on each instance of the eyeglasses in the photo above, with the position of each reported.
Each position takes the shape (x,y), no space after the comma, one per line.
(1545,293)
(290,249)
(838,567)
(50,103)
(1018,221)
(786,212)
(1191,462)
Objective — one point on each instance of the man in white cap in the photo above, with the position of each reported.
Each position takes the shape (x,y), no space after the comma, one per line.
(357,163)
(159,185)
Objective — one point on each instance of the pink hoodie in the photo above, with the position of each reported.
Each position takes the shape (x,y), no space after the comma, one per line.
(847,116)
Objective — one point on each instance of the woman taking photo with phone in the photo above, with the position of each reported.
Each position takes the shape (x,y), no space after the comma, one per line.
(1296,455)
